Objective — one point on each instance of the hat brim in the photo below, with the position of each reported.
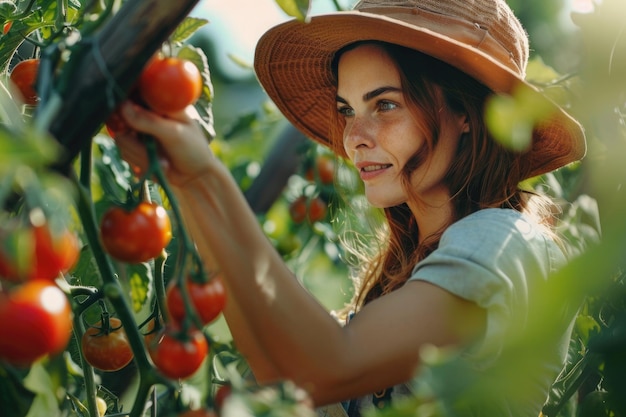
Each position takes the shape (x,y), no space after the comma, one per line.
(293,64)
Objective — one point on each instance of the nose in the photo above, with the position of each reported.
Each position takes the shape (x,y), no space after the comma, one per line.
(356,134)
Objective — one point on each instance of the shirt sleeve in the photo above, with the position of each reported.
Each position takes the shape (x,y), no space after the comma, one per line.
(494,258)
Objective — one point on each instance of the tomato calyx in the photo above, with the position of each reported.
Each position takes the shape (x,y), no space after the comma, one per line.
(106,325)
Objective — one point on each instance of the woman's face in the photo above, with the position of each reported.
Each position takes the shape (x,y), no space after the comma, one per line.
(381,133)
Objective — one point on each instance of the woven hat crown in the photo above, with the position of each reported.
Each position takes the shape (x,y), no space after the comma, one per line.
(483,38)
(493,17)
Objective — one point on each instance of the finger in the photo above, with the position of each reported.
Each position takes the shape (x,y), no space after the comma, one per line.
(162,127)
(133,151)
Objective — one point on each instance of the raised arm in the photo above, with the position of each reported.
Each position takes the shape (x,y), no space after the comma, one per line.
(284,331)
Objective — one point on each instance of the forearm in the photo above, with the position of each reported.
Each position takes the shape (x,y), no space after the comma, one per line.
(292,329)
(263,368)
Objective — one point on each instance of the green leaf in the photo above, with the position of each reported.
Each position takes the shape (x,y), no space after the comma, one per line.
(113,172)
(39,382)
(7,9)
(204,103)
(295,8)
(138,282)
(15,398)
(187,28)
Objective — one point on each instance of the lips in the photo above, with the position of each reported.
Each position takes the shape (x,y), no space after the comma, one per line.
(370,170)
(378,167)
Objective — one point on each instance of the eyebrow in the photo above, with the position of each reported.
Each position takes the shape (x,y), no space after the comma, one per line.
(372,94)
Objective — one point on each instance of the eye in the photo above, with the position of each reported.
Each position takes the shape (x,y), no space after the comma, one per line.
(345,111)
(385,105)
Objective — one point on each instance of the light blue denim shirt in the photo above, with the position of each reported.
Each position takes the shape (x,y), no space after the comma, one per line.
(500,259)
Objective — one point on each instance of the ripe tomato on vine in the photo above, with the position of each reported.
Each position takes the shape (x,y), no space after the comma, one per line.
(135,235)
(208,299)
(106,346)
(35,320)
(24,76)
(178,355)
(169,84)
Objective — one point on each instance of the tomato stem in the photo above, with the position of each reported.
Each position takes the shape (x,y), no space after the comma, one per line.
(147,373)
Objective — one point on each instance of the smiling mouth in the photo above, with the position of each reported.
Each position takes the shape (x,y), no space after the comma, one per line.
(371,168)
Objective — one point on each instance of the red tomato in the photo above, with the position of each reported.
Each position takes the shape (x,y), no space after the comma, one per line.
(169,84)
(7,27)
(207,298)
(178,355)
(35,320)
(46,255)
(305,208)
(24,76)
(137,235)
(323,169)
(53,254)
(107,350)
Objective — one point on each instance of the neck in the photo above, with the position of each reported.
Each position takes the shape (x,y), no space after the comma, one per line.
(432,215)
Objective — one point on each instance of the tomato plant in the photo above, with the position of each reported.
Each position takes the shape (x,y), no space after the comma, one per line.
(208,299)
(169,84)
(24,76)
(135,235)
(178,354)
(35,320)
(105,346)
(305,208)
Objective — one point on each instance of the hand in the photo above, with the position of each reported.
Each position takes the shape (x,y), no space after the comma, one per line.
(183,149)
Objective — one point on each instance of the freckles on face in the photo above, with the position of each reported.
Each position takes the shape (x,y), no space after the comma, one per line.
(380,133)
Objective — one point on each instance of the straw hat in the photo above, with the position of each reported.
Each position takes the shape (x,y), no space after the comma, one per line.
(483,38)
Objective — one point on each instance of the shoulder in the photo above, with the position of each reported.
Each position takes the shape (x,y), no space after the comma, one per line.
(488,234)
(491,245)
(494,225)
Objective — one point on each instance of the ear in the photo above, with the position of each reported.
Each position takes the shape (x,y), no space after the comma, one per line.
(465,126)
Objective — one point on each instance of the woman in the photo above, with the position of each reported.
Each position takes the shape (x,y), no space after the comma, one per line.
(398,88)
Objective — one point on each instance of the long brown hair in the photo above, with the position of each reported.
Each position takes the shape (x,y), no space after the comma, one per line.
(484,174)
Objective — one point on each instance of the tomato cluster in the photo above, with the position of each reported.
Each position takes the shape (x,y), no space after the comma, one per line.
(135,234)
(312,209)
(322,168)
